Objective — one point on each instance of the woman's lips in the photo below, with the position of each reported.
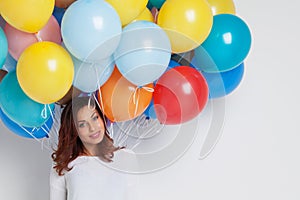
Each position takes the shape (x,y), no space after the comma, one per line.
(95,135)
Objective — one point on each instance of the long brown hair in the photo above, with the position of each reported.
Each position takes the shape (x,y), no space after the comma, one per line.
(69,144)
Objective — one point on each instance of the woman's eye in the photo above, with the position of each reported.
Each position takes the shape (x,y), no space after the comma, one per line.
(96,118)
(81,125)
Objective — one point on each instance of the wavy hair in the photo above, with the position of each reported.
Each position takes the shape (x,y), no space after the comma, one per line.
(69,144)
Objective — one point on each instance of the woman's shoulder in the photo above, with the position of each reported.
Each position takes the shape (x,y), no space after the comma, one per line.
(125,160)
(80,160)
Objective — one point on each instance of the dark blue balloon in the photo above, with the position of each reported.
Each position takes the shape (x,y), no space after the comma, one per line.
(150,112)
(25,131)
(58,13)
(172,64)
(180,60)
(223,83)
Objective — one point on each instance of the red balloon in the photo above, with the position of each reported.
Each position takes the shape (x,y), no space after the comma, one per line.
(180,94)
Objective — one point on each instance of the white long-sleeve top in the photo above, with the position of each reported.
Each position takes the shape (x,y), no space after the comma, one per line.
(91,179)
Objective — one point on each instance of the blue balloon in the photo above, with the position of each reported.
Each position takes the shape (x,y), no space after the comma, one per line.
(58,13)
(27,132)
(149,5)
(226,47)
(172,64)
(19,107)
(150,112)
(143,53)
(223,83)
(90,76)
(91,30)
(3,47)
(157,3)
(10,63)
(181,60)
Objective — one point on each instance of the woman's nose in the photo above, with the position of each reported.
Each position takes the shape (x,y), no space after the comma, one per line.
(92,126)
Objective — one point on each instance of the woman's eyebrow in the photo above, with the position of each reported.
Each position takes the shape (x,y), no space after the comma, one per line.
(92,115)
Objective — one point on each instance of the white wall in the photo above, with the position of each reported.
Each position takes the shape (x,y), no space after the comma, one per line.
(257,156)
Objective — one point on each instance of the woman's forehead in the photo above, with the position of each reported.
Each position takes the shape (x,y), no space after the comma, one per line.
(85,112)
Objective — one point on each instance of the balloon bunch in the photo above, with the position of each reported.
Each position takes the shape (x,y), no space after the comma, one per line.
(121,51)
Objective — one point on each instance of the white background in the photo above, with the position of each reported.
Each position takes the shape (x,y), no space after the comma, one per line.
(257,156)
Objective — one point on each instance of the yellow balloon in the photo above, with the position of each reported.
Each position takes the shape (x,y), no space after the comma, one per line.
(222,6)
(128,10)
(145,15)
(45,72)
(28,16)
(187,23)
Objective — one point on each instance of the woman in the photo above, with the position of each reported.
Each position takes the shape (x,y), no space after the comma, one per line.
(84,143)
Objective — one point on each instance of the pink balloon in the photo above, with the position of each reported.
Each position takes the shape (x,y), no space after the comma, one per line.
(18,40)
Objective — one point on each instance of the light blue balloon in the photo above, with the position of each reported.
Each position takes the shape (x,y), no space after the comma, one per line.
(19,107)
(144,52)
(27,132)
(10,63)
(223,83)
(3,47)
(227,45)
(90,76)
(91,30)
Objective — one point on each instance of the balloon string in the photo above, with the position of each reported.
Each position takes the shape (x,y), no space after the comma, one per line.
(111,133)
(100,105)
(38,37)
(137,102)
(136,96)
(100,94)
(44,112)
(32,135)
(149,89)
(90,106)
(51,112)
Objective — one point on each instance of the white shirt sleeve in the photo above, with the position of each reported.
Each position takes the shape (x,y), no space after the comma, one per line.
(58,189)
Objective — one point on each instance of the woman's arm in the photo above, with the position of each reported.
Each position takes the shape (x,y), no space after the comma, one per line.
(58,190)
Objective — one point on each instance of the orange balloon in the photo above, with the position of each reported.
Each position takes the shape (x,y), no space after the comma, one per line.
(121,100)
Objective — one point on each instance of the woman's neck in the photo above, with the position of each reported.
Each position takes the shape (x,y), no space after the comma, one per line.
(92,150)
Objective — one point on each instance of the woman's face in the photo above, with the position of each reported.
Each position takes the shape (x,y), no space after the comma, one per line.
(90,127)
